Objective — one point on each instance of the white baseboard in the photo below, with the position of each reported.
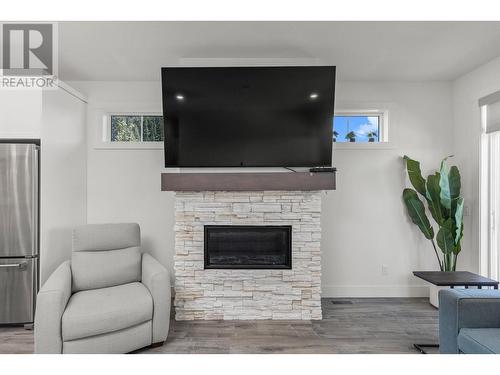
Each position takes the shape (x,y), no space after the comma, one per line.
(371,291)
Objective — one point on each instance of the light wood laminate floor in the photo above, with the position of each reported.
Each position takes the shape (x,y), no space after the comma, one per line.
(354,325)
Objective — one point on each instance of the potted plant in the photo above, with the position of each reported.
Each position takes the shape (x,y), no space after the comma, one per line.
(441,191)
(351,136)
(335,135)
(371,136)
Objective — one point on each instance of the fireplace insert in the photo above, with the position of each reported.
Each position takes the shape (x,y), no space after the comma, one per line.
(248,246)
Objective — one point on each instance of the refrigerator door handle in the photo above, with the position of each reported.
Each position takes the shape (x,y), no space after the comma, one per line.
(35,182)
(21,265)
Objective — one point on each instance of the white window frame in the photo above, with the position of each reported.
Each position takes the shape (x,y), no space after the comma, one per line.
(386,137)
(106,142)
(385,141)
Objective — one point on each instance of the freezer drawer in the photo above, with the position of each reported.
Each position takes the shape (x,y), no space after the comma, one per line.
(17,290)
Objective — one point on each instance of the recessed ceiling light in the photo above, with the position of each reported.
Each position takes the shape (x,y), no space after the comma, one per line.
(179,97)
(313,95)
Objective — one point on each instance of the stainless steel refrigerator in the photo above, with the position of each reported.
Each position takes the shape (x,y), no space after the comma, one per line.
(19,181)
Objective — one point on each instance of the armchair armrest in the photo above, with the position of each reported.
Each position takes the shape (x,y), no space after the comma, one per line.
(50,305)
(465,308)
(155,277)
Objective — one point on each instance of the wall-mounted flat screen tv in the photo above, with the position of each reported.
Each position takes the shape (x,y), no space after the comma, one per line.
(248,116)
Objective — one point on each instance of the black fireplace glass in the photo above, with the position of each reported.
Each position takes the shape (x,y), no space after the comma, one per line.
(248,246)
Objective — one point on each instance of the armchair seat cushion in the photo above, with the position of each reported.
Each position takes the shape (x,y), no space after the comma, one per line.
(105,310)
(479,340)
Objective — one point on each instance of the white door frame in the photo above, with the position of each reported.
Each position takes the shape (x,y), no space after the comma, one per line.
(489,198)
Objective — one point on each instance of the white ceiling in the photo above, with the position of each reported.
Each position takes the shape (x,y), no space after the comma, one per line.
(135,51)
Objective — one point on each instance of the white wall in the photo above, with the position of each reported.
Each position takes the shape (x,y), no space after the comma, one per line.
(63,176)
(364,223)
(20,113)
(467,90)
(57,118)
(124,185)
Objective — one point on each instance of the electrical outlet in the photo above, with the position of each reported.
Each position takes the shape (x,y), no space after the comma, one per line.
(385,270)
(466,211)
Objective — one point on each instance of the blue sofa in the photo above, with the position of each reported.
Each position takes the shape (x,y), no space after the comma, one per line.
(469,321)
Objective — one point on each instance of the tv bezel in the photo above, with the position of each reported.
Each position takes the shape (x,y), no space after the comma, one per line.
(177,166)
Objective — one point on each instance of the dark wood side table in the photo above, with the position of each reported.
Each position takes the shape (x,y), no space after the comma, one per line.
(452,279)
(457,278)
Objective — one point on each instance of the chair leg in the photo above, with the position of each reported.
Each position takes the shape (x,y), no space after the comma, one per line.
(157,344)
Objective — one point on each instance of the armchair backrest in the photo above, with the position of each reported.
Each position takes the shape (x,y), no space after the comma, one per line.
(105,255)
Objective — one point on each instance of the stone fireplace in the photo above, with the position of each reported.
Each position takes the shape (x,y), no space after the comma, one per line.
(232,260)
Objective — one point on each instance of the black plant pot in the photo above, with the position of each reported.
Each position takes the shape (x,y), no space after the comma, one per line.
(335,139)
(371,139)
(352,139)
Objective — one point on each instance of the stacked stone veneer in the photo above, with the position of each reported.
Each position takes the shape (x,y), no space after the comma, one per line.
(247,294)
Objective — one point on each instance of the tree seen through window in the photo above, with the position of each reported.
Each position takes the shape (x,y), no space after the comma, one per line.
(136,128)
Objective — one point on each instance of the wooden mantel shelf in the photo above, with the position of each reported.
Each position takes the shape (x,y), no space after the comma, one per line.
(305,181)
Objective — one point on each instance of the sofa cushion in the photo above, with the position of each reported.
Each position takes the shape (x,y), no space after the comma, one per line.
(94,312)
(105,255)
(479,340)
(102,269)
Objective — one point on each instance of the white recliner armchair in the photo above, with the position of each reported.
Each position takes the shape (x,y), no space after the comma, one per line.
(110,298)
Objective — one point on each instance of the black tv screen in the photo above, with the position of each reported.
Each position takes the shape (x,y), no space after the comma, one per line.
(248,116)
